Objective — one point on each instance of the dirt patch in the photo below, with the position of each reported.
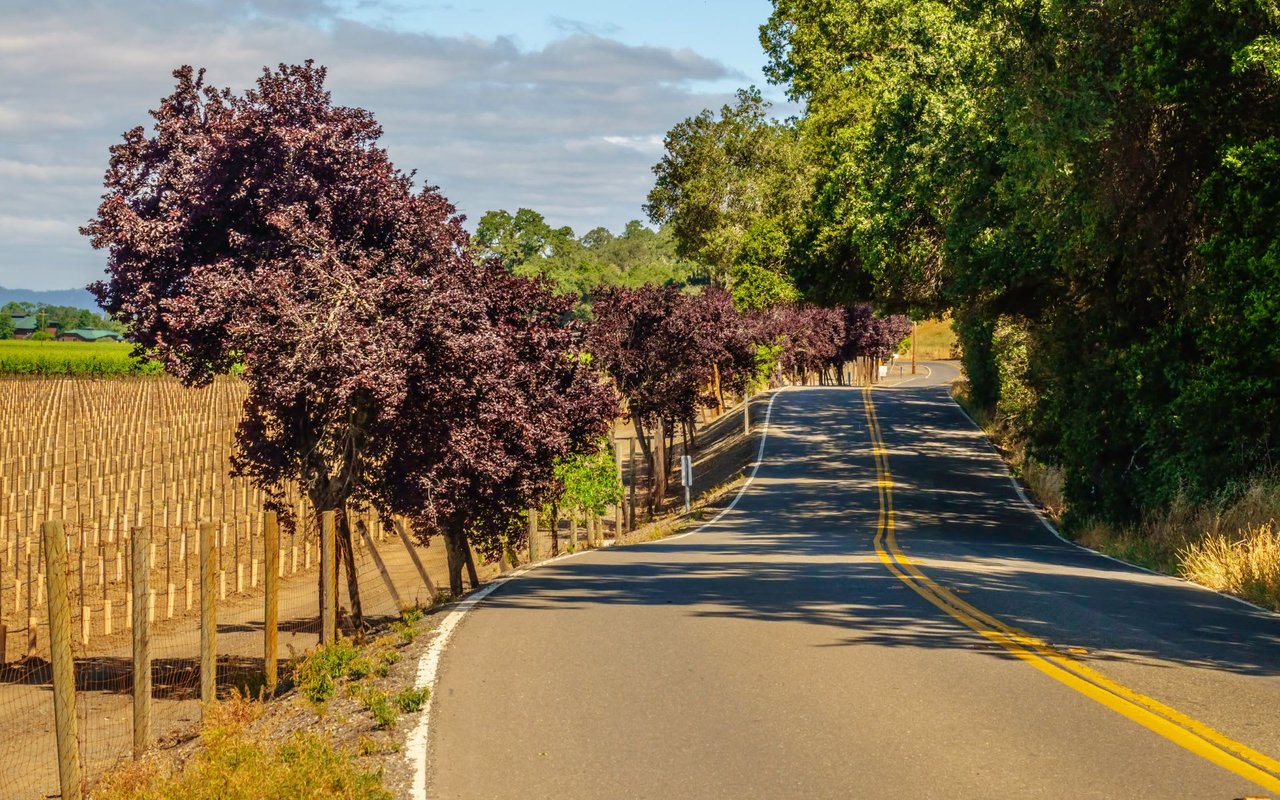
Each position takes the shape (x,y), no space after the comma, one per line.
(346,720)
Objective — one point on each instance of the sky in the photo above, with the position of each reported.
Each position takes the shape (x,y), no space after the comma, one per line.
(557,106)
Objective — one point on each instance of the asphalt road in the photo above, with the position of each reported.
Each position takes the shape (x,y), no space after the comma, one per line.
(792,650)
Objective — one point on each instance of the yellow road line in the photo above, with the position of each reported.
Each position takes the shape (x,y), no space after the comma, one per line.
(1175,726)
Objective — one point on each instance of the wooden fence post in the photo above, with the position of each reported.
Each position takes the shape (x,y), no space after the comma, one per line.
(208,613)
(328,580)
(533,535)
(746,411)
(271,610)
(63,667)
(140,540)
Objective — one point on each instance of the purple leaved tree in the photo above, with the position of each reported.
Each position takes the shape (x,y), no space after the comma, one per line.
(518,394)
(663,350)
(269,230)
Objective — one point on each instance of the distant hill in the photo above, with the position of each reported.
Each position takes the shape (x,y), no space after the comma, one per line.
(76,298)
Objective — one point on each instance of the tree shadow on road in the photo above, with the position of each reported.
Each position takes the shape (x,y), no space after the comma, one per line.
(798,549)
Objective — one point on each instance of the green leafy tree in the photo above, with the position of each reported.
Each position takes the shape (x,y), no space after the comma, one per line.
(720,175)
(590,481)
(760,276)
(527,245)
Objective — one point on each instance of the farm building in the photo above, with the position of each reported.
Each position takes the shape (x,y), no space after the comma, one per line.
(24,325)
(89,335)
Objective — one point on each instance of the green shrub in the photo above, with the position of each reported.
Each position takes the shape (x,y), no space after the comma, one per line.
(407,626)
(411,699)
(318,674)
(380,705)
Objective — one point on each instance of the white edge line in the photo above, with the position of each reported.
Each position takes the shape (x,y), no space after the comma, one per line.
(928,373)
(1049,526)
(429,665)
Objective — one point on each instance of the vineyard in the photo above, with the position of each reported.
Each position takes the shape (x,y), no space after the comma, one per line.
(80,359)
(111,458)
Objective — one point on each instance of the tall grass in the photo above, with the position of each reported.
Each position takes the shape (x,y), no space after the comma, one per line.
(79,359)
(1248,565)
(1232,546)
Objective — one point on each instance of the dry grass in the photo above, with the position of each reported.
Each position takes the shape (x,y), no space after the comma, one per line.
(1247,565)
(238,760)
(1232,547)
(238,767)
(935,341)
(1046,484)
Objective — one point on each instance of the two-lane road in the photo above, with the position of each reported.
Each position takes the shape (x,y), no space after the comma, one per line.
(880,616)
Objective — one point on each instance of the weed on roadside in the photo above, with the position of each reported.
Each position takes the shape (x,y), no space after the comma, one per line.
(380,705)
(236,763)
(317,675)
(411,700)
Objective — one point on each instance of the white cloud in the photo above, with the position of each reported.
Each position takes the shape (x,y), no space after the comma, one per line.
(568,129)
(45,173)
(33,229)
(649,145)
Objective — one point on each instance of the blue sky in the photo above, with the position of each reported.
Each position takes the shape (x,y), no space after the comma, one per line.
(556,106)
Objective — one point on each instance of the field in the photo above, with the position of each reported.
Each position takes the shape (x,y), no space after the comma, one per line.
(106,457)
(83,359)
(935,341)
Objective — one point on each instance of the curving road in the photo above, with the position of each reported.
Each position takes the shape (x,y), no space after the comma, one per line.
(880,616)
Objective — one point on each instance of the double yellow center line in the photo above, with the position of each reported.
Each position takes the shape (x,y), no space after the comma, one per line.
(1168,722)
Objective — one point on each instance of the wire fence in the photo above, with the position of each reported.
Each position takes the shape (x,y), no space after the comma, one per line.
(140,465)
(102,640)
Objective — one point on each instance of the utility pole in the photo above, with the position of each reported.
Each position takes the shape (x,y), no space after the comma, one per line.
(913,347)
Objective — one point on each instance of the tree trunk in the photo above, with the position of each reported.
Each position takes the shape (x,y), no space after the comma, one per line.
(347,556)
(659,468)
(455,545)
(646,449)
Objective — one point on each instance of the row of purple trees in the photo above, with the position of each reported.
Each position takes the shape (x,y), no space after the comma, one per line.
(671,354)
(820,341)
(387,366)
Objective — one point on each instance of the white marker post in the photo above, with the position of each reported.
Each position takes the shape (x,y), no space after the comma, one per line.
(686,478)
